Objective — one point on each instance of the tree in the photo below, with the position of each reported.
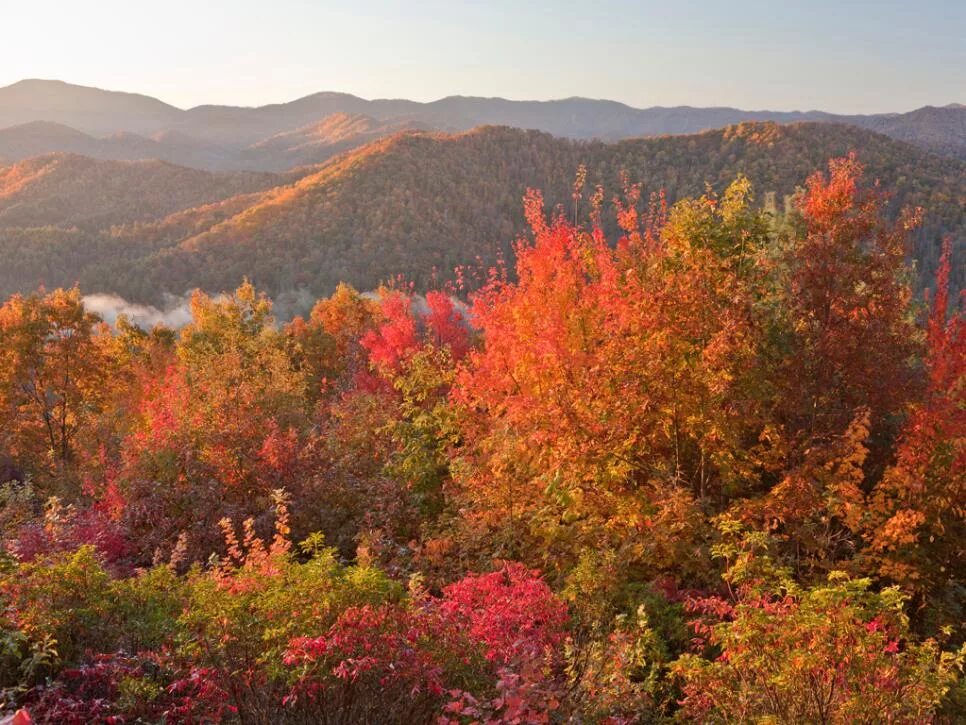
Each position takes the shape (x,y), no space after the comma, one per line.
(615,390)
(218,431)
(851,333)
(842,348)
(327,345)
(54,370)
(917,520)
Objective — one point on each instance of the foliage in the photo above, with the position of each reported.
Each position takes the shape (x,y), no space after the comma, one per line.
(835,652)
(916,517)
(618,481)
(54,374)
(217,433)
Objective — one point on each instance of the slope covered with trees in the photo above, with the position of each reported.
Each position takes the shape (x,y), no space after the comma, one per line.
(941,130)
(318,142)
(681,463)
(65,190)
(415,203)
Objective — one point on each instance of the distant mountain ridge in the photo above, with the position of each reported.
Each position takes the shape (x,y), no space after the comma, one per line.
(232,137)
(37,138)
(92,110)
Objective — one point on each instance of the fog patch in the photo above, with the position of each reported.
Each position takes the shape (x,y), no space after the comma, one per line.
(290,303)
(174,313)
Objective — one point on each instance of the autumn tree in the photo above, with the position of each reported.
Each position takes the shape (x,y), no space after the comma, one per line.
(852,338)
(917,520)
(219,430)
(380,458)
(54,367)
(326,345)
(614,392)
(843,350)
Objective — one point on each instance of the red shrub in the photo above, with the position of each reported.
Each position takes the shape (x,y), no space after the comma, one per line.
(490,646)
(67,529)
(512,612)
(117,688)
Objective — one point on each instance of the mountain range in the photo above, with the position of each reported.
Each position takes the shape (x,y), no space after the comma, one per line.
(414,203)
(42,116)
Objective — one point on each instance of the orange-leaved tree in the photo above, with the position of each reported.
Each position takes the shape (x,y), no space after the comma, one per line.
(218,431)
(615,392)
(55,364)
(845,352)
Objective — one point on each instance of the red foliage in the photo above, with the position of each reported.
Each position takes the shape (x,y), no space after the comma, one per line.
(446,326)
(917,522)
(389,345)
(510,617)
(512,612)
(95,692)
(187,464)
(849,305)
(521,625)
(66,530)
(946,355)
(198,697)
(406,328)
(390,644)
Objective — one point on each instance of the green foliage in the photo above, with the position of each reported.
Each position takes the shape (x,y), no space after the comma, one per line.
(426,427)
(836,652)
(144,609)
(60,604)
(626,635)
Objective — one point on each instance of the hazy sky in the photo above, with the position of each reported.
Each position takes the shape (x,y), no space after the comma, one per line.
(836,55)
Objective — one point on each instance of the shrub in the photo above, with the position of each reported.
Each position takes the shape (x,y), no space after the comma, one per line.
(837,652)
(60,604)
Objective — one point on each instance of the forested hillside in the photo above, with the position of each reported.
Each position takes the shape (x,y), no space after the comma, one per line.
(65,190)
(941,130)
(678,462)
(414,203)
(319,142)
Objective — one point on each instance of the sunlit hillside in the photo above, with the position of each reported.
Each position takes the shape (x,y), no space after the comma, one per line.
(413,204)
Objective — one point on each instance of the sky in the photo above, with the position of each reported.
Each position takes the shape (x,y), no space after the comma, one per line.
(844,56)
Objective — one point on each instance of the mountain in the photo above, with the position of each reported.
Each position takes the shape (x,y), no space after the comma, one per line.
(246,126)
(415,201)
(43,137)
(216,138)
(36,138)
(318,142)
(91,110)
(584,118)
(67,190)
(942,130)
(232,137)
